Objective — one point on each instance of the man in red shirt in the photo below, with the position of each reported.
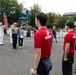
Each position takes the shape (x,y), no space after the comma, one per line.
(42,45)
(68,49)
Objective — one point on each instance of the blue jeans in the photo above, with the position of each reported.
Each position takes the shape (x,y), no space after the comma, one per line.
(44,67)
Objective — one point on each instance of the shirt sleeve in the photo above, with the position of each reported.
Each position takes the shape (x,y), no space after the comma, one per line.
(67,38)
(23,31)
(37,41)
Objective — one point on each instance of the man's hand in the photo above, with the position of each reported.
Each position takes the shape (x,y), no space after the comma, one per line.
(75,52)
(66,51)
(65,59)
(34,72)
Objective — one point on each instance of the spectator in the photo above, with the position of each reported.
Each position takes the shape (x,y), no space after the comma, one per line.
(54,34)
(10,32)
(20,37)
(14,35)
(1,33)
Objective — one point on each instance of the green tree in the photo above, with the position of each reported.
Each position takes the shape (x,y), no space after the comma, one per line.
(73,17)
(60,21)
(51,17)
(13,8)
(33,11)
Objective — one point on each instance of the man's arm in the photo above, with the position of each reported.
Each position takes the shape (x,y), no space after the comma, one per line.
(37,46)
(36,61)
(37,57)
(66,51)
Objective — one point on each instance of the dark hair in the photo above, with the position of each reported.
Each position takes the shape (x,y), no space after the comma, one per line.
(70,24)
(42,17)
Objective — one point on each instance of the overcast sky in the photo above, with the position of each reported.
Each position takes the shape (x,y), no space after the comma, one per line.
(57,6)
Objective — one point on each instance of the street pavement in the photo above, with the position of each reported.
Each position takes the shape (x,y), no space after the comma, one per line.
(18,61)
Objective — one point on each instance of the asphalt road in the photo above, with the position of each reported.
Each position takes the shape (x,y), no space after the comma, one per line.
(18,61)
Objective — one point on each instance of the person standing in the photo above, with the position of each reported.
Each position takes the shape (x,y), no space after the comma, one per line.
(1,33)
(68,49)
(54,34)
(14,35)
(42,45)
(20,37)
(10,32)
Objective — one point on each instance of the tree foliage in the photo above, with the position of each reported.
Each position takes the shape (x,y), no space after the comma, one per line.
(54,19)
(13,8)
(51,17)
(74,17)
(33,11)
(59,22)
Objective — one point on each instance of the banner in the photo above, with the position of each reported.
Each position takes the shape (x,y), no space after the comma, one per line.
(5,20)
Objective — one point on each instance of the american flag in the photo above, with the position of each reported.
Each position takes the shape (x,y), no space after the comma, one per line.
(5,20)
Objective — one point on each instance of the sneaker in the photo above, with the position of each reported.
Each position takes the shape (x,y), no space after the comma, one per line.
(1,43)
(19,46)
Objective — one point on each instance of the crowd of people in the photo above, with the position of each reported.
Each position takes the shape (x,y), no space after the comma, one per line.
(16,35)
(42,43)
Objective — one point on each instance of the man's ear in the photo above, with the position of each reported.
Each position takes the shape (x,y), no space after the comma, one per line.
(39,21)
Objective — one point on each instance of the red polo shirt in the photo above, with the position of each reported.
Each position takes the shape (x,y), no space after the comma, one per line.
(70,38)
(43,40)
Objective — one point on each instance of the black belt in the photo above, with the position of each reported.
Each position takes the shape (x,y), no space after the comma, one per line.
(45,58)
